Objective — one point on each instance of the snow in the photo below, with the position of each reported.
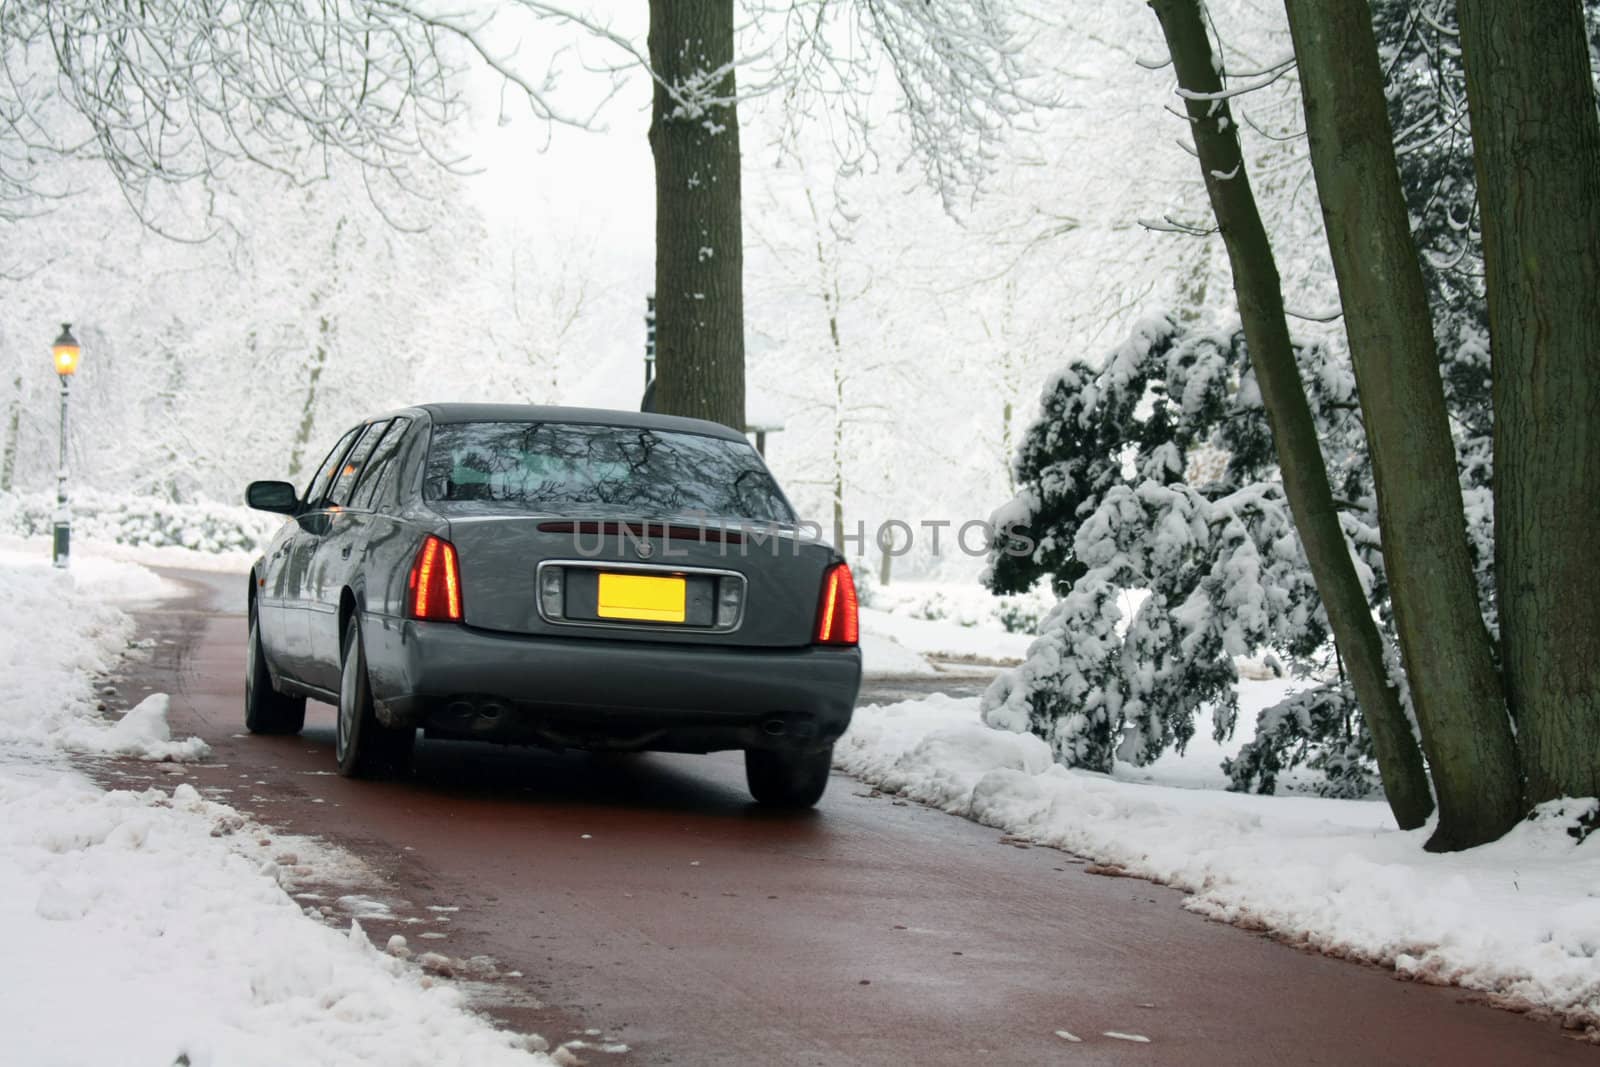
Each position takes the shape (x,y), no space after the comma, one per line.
(94,552)
(141,521)
(884,657)
(939,637)
(920,621)
(142,937)
(1518,919)
(56,628)
(157,927)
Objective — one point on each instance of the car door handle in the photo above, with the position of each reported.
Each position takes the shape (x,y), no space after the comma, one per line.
(344,553)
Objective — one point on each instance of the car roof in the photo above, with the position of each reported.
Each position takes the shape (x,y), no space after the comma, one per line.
(448,413)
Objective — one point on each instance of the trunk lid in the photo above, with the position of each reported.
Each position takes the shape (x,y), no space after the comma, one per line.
(778,573)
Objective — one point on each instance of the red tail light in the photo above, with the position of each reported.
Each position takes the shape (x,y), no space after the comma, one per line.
(837,621)
(436,582)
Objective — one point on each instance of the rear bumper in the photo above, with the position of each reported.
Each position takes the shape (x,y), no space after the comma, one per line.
(457,682)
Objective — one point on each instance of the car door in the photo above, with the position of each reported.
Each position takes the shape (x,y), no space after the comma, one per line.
(309,528)
(270,606)
(333,554)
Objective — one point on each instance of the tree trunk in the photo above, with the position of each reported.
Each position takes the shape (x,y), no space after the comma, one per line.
(1449,659)
(308,415)
(1537,143)
(694,135)
(319,355)
(828,289)
(1305,477)
(8,452)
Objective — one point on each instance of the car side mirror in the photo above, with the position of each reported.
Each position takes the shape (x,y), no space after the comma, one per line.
(281,497)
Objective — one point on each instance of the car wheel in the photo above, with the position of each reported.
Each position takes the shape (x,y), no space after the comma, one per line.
(364,747)
(787,779)
(267,711)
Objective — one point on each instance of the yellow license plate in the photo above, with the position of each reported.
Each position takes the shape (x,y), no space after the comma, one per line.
(641,598)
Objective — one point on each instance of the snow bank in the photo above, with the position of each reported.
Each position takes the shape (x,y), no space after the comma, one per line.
(58,628)
(1519,918)
(884,657)
(155,927)
(136,936)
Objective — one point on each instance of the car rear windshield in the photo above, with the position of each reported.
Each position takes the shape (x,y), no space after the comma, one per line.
(624,471)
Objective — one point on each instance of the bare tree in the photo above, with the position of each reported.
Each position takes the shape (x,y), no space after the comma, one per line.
(957,65)
(169,91)
(547,317)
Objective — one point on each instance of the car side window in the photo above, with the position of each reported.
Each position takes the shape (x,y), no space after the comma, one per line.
(355,464)
(379,465)
(330,466)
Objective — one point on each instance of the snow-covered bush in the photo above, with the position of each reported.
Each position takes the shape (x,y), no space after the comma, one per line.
(141,521)
(1284,739)
(1107,497)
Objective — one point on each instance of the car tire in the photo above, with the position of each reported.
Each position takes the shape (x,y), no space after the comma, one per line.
(363,746)
(783,778)
(267,711)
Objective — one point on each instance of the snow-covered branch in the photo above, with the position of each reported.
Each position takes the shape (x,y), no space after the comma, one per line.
(171,91)
(1263,78)
(1168,224)
(958,66)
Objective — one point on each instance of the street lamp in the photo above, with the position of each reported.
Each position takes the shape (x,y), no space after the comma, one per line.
(65,351)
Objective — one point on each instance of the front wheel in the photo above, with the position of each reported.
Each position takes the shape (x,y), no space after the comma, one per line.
(266,711)
(786,779)
(364,747)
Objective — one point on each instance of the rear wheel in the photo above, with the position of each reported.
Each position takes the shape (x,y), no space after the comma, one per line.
(364,747)
(267,711)
(787,779)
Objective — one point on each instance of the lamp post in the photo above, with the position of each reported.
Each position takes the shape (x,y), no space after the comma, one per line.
(647,402)
(65,351)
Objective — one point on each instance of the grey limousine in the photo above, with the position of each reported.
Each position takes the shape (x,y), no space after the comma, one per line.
(566,577)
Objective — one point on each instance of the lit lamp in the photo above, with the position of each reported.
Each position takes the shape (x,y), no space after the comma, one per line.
(65,352)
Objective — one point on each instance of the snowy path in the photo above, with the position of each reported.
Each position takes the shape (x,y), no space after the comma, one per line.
(646,900)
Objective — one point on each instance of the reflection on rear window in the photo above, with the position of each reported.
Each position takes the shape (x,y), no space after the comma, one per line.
(575,469)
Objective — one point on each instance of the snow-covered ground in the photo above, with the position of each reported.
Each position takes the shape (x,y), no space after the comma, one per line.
(145,925)
(96,551)
(1518,919)
(884,657)
(943,639)
(154,927)
(913,624)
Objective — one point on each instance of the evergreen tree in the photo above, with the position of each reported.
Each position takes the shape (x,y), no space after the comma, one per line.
(1118,498)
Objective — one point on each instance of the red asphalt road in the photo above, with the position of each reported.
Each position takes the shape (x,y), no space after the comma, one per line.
(647,899)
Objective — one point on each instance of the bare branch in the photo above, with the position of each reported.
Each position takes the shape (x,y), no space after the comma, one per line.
(1168,224)
(169,91)
(958,65)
